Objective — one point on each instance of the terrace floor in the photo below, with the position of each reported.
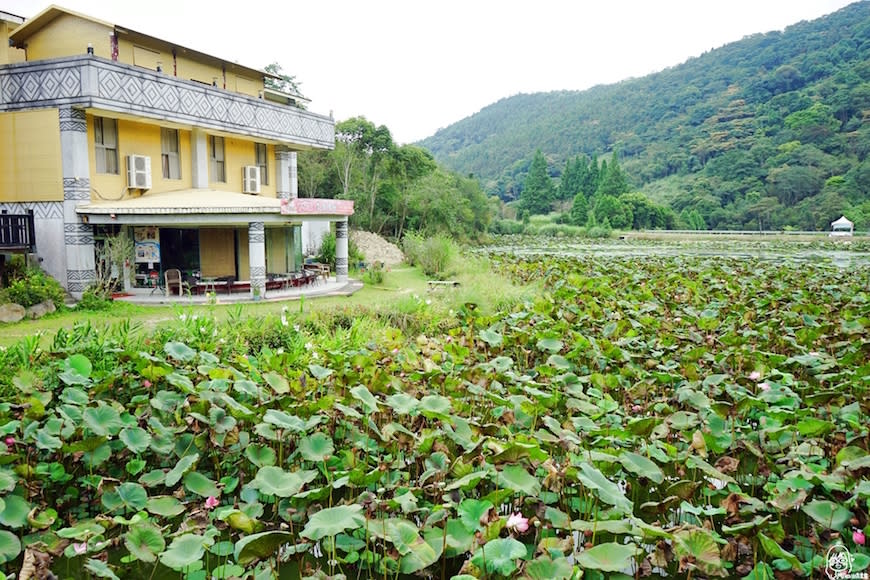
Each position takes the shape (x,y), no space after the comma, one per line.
(329,287)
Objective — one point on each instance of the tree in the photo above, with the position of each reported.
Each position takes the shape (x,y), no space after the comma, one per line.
(613,182)
(284,83)
(573,177)
(611,208)
(312,171)
(361,150)
(579,210)
(406,165)
(537,195)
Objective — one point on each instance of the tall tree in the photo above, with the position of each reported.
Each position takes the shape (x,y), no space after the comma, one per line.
(579,210)
(613,182)
(573,177)
(406,165)
(361,151)
(537,195)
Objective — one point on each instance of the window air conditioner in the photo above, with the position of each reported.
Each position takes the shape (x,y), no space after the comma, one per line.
(251,179)
(138,172)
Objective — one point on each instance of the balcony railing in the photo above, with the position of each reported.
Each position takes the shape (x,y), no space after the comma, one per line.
(17,233)
(92,82)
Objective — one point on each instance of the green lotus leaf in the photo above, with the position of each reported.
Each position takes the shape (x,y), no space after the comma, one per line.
(319,372)
(14,514)
(229,570)
(275,481)
(420,553)
(363,395)
(402,403)
(75,396)
(10,546)
(179,351)
(185,550)
(220,420)
(278,383)
(827,513)
(433,405)
(701,549)
(499,556)
(544,568)
(7,481)
(332,521)
(551,345)
(608,557)
(144,542)
(316,447)
(82,531)
(492,337)
(46,441)
(473,513)
(222,549)
(559,362)
(641,466)
(516,478)
(43,519)
(201,485)
(100,569)
(260,455)
(774,550)
(183,466)
(164,505)
(468,481)
(260,546)
(501,364)
(458,539)
(246,387)
(607,491)
(812,427)
(103,421)
(136,439)
(282,420)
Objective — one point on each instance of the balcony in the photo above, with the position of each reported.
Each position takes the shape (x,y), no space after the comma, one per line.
(91,82)
(16,233)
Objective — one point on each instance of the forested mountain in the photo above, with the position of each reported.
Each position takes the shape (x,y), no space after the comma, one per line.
(771,131)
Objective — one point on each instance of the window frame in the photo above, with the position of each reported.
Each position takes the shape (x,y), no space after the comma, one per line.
(106,146)
(261,160)
(217,159)
(170,160)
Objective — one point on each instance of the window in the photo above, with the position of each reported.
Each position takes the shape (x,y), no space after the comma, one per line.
(169,153)
(262,160)
(106,145)
(218,169)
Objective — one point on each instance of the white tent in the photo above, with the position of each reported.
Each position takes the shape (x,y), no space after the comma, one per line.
(842,227)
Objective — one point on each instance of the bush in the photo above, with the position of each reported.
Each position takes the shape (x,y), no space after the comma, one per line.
(374,275)
(327,250)
(432,255)
(95,298)
(33,286)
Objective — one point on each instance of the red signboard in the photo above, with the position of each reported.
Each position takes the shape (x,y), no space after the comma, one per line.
(316,206)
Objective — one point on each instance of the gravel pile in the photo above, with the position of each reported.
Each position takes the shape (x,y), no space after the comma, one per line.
(377,249)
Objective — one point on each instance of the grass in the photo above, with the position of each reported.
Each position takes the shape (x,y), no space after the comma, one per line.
(403,287)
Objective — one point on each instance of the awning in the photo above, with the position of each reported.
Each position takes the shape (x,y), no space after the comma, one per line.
(843,222)
(212,206)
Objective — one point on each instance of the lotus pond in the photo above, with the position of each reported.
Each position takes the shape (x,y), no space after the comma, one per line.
(642,416)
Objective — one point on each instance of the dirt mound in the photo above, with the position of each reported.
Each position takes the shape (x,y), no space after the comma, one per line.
(377,249)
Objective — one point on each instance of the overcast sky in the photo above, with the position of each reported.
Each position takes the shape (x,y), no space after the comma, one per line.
(417,67)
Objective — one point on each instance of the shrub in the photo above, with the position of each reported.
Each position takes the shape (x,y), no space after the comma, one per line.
(374,275)
(95,298)
(432,255)
(327,250)
(33,286)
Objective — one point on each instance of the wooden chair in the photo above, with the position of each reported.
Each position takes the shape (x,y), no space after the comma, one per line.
(173,280)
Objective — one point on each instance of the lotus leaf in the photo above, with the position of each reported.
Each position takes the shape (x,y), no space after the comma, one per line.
(144,542)
(179,351)
(608,491)
(183,466)
(201,485)
(316,447)
(334,520)
(15,510)
(828,513)
(275,481)
(499,556)
(100,569)
(10,546)
(260,546)
(165,505)
(185,550)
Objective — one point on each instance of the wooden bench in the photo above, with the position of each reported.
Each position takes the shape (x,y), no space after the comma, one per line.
(442,283)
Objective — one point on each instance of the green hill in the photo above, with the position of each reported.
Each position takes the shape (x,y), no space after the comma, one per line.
(770,131)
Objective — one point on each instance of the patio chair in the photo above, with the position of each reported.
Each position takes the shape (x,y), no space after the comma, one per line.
(173,281)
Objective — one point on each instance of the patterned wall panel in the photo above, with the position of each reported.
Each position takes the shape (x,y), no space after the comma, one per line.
(42,210)
(90,81)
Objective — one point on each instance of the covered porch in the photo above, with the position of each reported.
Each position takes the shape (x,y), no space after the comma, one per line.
(217,243)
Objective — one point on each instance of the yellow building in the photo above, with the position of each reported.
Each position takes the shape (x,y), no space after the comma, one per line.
(105,130)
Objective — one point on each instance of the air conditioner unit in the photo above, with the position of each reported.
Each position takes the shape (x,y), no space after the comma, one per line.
(251,179)
(138,172)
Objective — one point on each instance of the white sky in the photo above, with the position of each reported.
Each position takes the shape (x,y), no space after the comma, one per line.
(418,67)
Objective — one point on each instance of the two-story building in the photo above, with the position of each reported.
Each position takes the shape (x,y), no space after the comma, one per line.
(105,129)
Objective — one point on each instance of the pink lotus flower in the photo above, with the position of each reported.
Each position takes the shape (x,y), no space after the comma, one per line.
(754,376)
(858,537)
(764,386)
(518,523)
(211,502)
(146,383)
(80,548)
(10,441)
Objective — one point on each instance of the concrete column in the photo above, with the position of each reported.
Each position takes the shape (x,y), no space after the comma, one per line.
(78,237)
(341,251)
(199,158)
(294,180)
(257,259)
(282,172)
